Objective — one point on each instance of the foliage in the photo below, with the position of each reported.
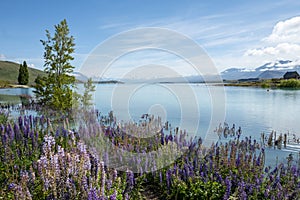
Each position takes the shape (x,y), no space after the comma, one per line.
(87,96)
(55,89)
(41,160)
(40,91)
(3,117)
(266,84)
(196,189)
(290,83)
(23,77)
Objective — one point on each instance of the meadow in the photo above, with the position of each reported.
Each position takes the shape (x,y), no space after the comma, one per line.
(43,158)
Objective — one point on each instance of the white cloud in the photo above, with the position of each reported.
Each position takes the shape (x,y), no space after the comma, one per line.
(285,31)
(31,65)
(282,43)
(287,49)
(2,57)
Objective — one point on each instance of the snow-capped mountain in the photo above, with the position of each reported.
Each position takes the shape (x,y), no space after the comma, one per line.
(267,71)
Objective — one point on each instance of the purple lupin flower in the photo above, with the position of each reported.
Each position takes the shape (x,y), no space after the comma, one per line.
(258,161)
(160,177)
(4,138)
(113,196)
(84,182)
(10,132)
(238,160)
(42,118)
(17,132)
(36,135)
(130,178)
(228,188)
(20,120)
(2,128)
(168,178)
(267,190)
(162,137)
(11,186)
(219,177)
(92,194)
(108,184)
(103,176)
(241,190)
(115,175)
(126,196)
(30,121)
(266,169)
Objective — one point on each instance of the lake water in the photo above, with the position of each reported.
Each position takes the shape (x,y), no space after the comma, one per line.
(256,110)
(191,106)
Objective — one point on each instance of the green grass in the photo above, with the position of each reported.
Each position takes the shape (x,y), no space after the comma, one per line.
(291,83)
(269,83)
(9,98)
(9,72)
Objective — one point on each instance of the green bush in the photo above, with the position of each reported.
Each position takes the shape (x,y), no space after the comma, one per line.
(197,189)
(265,85)
(291,83)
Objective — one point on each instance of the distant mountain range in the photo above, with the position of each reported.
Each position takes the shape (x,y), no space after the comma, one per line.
(9,72)
(267,71)
(184,79)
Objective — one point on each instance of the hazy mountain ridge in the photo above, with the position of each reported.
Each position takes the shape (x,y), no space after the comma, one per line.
(267,71)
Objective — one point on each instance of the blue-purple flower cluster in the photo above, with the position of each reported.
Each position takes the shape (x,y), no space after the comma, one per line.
(41,160)
(38,162)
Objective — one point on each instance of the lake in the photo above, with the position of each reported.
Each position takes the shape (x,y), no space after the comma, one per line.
(191,107)
(256,110)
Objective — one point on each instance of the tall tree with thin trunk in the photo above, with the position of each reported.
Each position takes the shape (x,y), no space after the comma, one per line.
(55,89)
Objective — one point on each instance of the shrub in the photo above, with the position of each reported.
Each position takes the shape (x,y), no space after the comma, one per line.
(291,83)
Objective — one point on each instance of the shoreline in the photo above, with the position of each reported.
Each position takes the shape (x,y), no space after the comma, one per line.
(15,86)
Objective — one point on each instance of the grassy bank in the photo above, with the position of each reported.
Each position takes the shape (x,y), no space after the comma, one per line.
(271,83)
(9,74)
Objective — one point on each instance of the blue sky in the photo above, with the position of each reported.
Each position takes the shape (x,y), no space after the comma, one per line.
(246,34)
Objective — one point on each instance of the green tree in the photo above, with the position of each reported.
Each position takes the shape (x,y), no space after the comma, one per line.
(55,89)
(23,77)
(87,96)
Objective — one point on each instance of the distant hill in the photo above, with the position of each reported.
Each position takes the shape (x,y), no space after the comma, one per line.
(271,74)
(9,72)
(267,71)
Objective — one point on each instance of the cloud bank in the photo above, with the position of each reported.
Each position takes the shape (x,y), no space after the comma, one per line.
(282,43)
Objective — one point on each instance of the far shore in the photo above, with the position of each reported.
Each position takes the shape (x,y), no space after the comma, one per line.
(15,86)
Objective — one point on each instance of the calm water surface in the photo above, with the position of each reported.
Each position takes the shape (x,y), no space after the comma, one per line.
(256,110)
